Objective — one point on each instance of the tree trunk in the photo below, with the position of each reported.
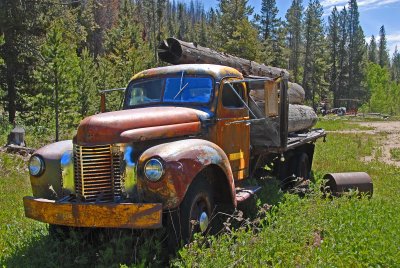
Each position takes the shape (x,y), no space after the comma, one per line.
(175,51)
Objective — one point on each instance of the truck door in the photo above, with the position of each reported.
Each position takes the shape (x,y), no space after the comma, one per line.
(234,138)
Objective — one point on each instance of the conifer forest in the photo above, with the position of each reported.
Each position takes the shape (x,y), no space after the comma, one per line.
(56,54)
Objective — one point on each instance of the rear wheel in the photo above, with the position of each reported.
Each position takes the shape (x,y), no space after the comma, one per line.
(302,167)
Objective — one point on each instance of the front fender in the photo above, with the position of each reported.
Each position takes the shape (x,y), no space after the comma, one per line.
(49,184)
(182,160)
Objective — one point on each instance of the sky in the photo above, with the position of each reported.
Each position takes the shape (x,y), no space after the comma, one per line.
(373,14)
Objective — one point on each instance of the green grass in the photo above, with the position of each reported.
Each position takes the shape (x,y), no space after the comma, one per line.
(339,124)
(395,154)
(319,232)
(310,231)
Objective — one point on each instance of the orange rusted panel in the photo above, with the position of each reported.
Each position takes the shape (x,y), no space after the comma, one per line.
(123,215)
(157,132)
(234,139)
(106,128)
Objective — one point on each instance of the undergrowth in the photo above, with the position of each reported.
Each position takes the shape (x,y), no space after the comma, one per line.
(317,231)
(287,230)
(395,154)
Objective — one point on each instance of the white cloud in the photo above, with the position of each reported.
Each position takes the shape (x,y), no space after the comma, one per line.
(364,4)
(393,37)
(393,40)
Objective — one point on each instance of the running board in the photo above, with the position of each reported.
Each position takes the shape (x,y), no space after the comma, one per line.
(244,193)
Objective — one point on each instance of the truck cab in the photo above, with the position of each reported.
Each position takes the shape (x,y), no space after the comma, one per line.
(179,148)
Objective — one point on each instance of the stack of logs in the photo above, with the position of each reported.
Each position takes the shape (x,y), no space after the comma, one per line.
(175,51)
(301,117)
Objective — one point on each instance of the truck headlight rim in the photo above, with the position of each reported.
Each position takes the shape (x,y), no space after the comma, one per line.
(153,169)
(36,166)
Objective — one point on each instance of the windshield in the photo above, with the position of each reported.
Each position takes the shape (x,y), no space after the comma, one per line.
(197,90)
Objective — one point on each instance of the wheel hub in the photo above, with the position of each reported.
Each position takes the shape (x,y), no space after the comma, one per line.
(203,220)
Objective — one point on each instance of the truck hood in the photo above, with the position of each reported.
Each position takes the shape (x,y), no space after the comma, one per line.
(139,125)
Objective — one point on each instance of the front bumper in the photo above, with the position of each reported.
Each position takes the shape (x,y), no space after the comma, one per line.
(114,215)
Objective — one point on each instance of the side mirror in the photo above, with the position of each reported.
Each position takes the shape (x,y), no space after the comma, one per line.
(103,97)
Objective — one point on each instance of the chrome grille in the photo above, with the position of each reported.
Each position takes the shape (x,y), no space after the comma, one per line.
(97,173)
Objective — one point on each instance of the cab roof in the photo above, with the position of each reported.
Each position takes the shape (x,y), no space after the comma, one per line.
(216,71)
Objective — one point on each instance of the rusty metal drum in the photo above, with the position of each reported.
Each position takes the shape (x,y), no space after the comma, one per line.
(339,183)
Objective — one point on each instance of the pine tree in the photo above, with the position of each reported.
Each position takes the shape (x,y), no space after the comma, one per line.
(383,52)
(396,66)
(87,88)
(343,56)
(55,101)
(86,18)
(314,59)
(356,51)
(244,42)
(230,12)
(372,50)
(334,47)
(239,38)
(125,47)
(269,22)
(294,32)
(22,26)
(1,43)
(182,22)
(273,35)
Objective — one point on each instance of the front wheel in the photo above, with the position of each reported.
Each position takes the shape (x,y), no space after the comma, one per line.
(194,214)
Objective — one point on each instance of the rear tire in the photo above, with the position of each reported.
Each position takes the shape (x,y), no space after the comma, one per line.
(302,167)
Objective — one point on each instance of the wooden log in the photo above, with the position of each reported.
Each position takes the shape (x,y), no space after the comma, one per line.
(296,94)
(175,51)
(301,117)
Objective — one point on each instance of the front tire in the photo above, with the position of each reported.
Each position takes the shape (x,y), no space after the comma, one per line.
(194,213)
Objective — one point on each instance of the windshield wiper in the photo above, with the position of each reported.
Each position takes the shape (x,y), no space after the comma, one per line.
(180,86)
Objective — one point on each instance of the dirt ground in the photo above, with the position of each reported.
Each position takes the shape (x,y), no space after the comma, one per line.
(392,129)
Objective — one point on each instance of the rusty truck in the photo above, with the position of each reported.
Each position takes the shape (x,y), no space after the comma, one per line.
(185,143)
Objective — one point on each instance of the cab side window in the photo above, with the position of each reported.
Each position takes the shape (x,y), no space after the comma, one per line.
(229,98)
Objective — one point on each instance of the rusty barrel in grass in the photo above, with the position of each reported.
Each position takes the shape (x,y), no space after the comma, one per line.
(339,183)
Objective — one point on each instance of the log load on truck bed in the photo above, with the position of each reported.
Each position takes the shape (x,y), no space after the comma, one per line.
(188,142)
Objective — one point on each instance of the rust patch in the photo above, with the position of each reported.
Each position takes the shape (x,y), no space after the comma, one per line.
(106,128)
(157,132)
(107,215)
(181,167)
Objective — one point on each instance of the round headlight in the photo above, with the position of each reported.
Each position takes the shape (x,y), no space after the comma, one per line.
(36,165)
(153,169)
